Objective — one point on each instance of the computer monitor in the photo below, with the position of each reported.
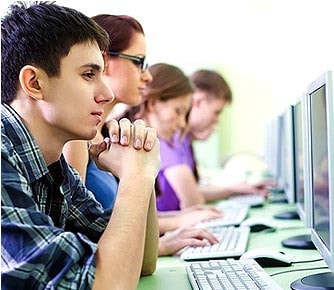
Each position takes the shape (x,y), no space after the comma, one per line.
(274,150)
(288,170)
(281,150)
(287,163)
(270,155)
(321,169)
(271,146)
(302,175)
(301,183)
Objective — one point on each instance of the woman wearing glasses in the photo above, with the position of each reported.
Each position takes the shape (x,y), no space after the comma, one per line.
(127,76)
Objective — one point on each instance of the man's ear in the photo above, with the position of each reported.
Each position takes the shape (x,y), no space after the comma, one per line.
(30,80)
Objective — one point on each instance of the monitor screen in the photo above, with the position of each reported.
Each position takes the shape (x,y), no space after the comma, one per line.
(286,168)
(321,171)
(274,136)
(287,157)
(286,171)
(298,174)
(299,162)
(271,145)
(321,124)
(281,151)
(301,140)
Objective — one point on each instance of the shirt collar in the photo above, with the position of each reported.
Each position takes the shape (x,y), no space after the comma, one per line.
(22,142)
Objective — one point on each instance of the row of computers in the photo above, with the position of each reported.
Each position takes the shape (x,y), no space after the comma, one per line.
(300,156)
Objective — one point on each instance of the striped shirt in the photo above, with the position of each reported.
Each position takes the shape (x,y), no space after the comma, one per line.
(50,223)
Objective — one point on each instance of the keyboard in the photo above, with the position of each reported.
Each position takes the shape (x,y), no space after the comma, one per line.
(253,200)
(234,214)
(232,243)
(229,274)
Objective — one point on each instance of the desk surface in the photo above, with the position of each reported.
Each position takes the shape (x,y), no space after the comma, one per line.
(170,273)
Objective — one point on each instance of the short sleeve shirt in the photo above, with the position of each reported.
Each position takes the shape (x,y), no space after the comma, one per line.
(177,152)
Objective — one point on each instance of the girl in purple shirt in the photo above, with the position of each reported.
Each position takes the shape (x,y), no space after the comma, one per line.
(178,178)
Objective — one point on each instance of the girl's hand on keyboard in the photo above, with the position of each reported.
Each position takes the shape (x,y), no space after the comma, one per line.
(172,242)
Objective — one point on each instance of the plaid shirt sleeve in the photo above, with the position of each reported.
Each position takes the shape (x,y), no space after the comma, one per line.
(48,234)
(35,254)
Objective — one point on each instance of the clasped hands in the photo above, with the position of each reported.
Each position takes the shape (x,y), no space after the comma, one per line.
(132,148)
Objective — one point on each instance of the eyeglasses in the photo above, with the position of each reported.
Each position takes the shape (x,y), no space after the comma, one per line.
(137,60)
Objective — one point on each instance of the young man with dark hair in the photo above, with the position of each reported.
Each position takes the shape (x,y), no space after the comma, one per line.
(54,233)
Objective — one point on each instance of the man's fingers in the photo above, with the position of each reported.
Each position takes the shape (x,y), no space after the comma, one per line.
(151,137)
(113,127)
(96,149)
(125,131)
(139,133)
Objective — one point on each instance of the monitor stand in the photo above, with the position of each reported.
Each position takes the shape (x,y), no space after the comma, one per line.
(299,242)
(321,281)
(278,200)
(287,215)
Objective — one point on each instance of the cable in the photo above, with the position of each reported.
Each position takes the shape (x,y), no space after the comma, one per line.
(290,228)
(296,270)
(310,261)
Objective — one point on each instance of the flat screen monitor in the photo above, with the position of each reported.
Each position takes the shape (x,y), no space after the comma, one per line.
(273,152)
(271,145)
(321,169)
(301,158)
(281,150)
(287,163)
(288,168)
(301,183)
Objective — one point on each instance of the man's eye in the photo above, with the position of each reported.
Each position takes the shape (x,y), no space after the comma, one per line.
(89,75)
(178,111)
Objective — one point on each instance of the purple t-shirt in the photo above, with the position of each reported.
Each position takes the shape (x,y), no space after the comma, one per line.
(179,152)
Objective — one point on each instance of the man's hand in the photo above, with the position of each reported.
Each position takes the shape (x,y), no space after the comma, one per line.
(131,149)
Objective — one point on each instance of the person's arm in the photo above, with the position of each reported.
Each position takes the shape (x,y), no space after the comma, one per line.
(182,180)
(214,192)
(132,227)
(152,239)
(172,242)
(76,154)
(120,253)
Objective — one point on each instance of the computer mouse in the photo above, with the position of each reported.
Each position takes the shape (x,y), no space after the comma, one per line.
(268,257)
(258,224)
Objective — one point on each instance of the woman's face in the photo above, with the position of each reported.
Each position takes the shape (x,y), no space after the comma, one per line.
(125,78)
(167,117)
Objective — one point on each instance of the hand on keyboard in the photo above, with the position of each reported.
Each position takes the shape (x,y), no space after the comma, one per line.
(171,242)
(232,242)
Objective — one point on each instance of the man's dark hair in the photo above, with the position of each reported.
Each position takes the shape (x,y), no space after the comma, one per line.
(41,34)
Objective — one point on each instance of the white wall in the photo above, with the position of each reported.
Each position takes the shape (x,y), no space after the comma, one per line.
(268,50)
